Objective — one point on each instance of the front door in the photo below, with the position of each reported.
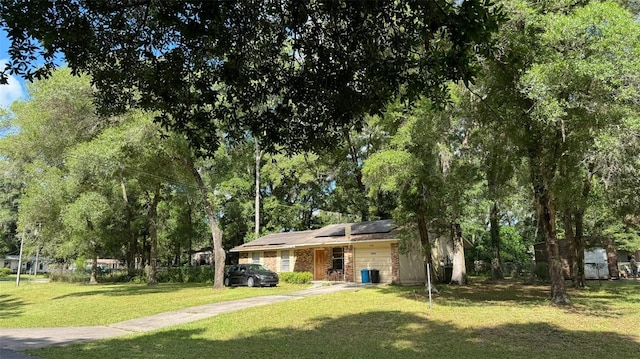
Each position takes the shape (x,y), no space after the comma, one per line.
(318,267)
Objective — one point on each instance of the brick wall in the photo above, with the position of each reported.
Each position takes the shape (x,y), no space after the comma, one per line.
(395,263)
(270,260)
(348,264)
(244,258)
(304,260)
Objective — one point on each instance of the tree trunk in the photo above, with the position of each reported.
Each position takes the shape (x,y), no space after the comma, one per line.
(133,253)
(579,222)
(459,273)
(494,230)
(542,157)
(258,154)
(94,268)
(573,250)
(423,231)
(144,260)
(547,216)
(190,249)
(132,243)
(219,255)
(579,242)
(153,234)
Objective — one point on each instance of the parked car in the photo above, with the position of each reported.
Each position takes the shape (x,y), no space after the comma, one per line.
(252,275)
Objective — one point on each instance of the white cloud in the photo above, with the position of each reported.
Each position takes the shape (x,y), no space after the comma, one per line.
(11,91)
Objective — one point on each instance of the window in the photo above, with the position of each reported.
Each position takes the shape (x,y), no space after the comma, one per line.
(255,257)
(284,261)
(337,258)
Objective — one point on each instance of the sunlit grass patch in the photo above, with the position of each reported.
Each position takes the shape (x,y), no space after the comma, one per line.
(65,304)
(396,322)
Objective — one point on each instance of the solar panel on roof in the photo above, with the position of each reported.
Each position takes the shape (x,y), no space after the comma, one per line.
(337,231)
(383,226)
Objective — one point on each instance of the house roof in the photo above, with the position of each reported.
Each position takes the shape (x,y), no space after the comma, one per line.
(277,240)
(331,234)
(15,257)
(105,261)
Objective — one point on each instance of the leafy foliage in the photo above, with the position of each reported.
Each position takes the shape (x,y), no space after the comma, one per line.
(298,72)
(296,277)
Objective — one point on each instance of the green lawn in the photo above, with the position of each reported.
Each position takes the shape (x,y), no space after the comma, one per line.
(505,320)
(24,278)
(35,304)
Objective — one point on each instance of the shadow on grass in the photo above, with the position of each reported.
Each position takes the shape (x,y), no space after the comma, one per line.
(382,334)
(605,300)
(10,306)
(479,294)
(600,301)
(625,291)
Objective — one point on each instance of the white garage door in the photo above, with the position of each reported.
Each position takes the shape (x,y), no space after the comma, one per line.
(373,256)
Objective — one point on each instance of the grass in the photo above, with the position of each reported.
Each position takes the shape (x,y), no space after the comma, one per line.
(483,320)
(23,278)
(34,304)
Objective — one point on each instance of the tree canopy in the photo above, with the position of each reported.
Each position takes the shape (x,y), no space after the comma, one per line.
(296,71)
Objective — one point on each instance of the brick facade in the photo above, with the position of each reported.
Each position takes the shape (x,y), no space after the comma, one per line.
(270,260)
(395,263)
(304,260)
(348,264)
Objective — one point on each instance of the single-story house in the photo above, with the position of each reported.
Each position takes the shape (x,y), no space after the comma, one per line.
(340,252)
(28,263)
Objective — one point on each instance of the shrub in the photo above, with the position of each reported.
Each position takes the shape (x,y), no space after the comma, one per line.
(187,274)
(4,272)
(296,277)
(70,277)
(118,276)
(139,279)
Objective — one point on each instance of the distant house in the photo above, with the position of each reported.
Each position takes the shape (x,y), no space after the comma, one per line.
(601,258)
(341,252)
(28,264)
(106,264)
(201,257)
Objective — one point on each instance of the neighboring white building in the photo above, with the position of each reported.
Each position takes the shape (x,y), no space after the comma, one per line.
(106,264)
(596,265)
(11,261)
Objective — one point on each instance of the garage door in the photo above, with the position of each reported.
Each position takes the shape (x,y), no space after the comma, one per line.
(373,256)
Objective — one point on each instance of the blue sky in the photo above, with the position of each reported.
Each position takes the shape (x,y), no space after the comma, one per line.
(15,89)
